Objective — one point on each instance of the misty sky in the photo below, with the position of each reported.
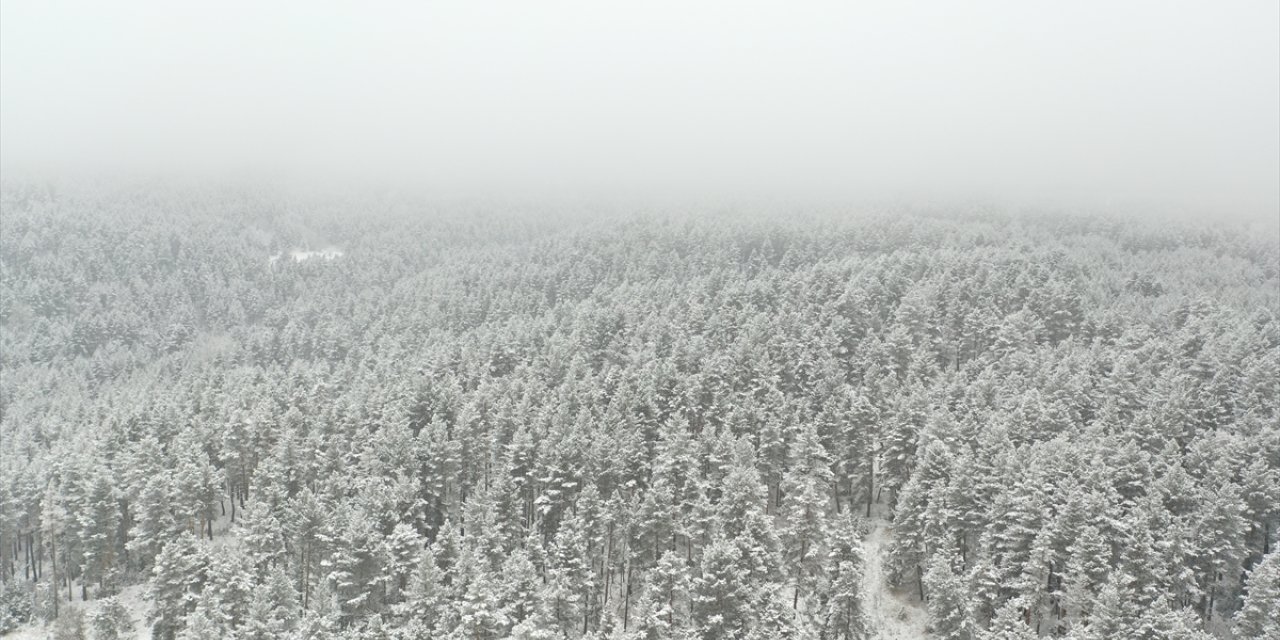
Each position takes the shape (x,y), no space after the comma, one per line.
(1159,102)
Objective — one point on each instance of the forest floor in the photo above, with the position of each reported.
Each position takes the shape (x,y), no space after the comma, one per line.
(891,615)
(130,597)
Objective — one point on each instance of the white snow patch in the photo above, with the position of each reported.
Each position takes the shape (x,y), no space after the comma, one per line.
(302,255)
(131,597)
(890,615)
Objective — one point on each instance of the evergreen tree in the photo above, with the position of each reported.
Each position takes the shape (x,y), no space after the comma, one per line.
(722,596)
(806,485)
(947,603)
(1257,618)
(112,620)
(273,608)
(176,581)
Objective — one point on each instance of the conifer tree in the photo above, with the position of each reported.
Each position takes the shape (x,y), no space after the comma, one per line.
(1257,617)
(176,581)
(805,510)
(947,603)
(721,596)
(112,620)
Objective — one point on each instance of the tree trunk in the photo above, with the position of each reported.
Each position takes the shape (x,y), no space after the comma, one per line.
(871,482)
(126,524)
(671,603)
(53,564)
(626,604)
(306,587)
(608,566)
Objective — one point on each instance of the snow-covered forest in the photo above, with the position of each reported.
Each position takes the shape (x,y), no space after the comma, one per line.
(465,422)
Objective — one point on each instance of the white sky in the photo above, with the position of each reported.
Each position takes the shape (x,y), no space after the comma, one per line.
(1162,102)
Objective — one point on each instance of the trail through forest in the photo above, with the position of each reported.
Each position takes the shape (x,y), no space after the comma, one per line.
(890,616)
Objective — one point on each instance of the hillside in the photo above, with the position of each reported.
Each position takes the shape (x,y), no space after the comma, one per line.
(468,423)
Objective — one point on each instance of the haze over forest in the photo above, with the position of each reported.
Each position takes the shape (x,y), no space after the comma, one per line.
(1151,105)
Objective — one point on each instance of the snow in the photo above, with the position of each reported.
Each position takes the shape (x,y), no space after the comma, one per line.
(30,632)
(131,597)
(302,255)
(891,615)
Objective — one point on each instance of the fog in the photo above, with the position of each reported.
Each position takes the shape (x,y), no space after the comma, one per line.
(1172,104)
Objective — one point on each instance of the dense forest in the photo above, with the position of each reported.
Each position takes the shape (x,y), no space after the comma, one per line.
(371,417)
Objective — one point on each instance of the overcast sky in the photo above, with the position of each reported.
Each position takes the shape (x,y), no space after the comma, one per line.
(1160,102)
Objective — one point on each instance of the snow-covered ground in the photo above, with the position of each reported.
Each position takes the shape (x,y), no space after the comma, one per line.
(301,255)
(890,615)
(132,599)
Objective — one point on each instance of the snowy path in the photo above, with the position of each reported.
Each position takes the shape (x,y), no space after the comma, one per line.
(890,616)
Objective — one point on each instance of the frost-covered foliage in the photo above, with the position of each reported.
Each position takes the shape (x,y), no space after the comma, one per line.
(112,620)
(480,425)
(15,605)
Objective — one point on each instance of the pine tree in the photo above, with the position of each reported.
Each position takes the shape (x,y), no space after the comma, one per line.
(806,485)
(176,581)
(947,603)
(155,524)
(1219,535)
(229,585)
(112,620)
(99,525)
(898,446)
(1010,623)
(1257,618)
(542,624)
(839,609)
(305,518)
(774,616)
(273,608)
(200,625)
(906,558)
(1111,615)
(480,611)
(519,587)
(722,595)
(400,551)
(424,598)
(665,598)
(53,526)
(1162,621)
(263,535)
(1088,565)
(354,565)
(569,572)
